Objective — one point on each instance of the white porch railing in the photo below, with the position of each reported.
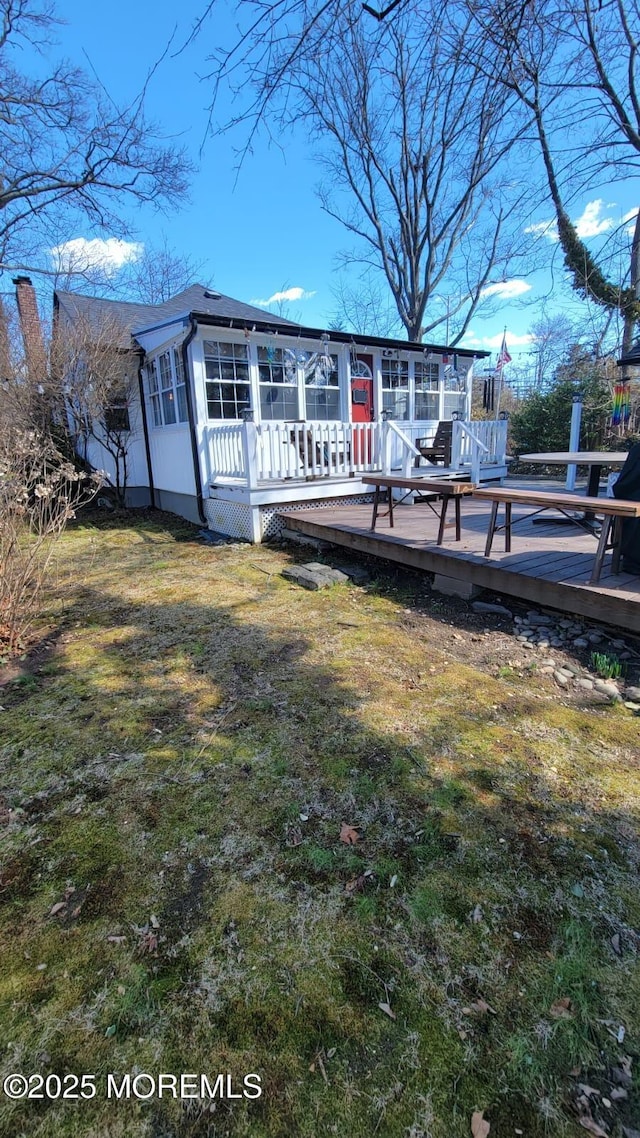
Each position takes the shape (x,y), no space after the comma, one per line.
(226,454)
(276,451)
(254,454)
(316,449)
(477,444)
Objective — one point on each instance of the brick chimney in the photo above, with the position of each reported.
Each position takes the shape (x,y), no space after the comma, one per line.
(32,338)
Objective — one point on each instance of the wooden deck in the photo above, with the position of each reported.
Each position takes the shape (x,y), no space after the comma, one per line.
(548,564)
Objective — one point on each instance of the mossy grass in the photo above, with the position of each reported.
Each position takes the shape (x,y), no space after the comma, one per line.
(176,895)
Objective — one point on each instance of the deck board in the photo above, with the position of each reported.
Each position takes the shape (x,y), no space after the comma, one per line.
(548,564)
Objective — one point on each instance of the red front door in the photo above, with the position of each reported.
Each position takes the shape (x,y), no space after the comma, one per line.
(362,405)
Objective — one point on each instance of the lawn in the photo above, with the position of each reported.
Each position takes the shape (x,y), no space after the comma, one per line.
(322,838)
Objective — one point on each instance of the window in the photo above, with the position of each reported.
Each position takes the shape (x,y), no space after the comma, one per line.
(278,382)
(167,389)
(181,385)
(321,385)
(116,416)
(427,376)
(395,387)
(154,395)
(455,395)
(227,379)
(167,393)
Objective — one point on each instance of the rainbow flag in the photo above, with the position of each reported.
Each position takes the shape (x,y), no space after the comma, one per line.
(621,410)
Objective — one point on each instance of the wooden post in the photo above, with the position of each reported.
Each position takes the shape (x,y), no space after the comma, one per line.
(386,434)
(250,453)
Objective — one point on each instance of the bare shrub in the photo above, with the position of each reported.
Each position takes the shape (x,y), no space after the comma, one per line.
(40,491)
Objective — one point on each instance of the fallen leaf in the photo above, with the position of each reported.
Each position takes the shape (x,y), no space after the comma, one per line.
(479,1007)
(561,1009)
(618,1093)
(587,1090)
(349,835)
(154,922)
(588,1123)
(479,1125)
(111,1031)
(615,944)
(356,885)
(57,908)
(629,1132)
(117,939)
(388,1011)
(477,915)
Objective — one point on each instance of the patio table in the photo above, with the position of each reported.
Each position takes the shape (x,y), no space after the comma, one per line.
(594,459)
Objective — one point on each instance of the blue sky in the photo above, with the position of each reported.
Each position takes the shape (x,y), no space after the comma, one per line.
(262,232)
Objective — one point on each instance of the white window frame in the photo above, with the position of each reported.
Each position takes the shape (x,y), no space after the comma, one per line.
(234,357)
(166,387)
(395,363)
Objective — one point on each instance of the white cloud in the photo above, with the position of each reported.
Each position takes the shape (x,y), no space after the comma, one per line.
(289,294)
(507,290)
(548,229)
(513,341)
(493,343)
(591,223)
(107,254)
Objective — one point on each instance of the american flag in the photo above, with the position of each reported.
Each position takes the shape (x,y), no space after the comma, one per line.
(504,357)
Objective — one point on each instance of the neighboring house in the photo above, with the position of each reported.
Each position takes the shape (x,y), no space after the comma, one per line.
(237,413)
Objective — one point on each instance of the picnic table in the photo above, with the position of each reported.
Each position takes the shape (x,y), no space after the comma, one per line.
(429,490)
(613,510)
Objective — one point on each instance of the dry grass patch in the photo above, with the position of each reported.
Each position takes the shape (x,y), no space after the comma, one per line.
(176,895)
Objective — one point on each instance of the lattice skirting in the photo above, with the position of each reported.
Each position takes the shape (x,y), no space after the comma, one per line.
(271,523)
(231,518)
(249,523)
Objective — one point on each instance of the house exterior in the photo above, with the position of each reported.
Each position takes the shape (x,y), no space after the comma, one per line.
(237,413)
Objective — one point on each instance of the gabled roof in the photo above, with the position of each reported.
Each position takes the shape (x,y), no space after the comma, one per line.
(139,317)
(214,309)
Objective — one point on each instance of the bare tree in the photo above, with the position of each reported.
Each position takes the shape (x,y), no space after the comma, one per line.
(414,136)
(158,274)
(67,150)
(365,308)
(574,67)
(96,374)
(147,274)
(40,491)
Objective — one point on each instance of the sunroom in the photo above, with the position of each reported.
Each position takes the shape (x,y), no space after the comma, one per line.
(317,402)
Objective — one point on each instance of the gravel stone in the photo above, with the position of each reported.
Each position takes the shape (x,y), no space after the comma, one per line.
(487,606)
(584,682)
(581,642)
(561,679)
(632,692)
(609,690)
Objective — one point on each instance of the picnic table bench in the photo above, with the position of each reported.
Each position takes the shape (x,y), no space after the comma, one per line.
(429,490)
(613,511)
